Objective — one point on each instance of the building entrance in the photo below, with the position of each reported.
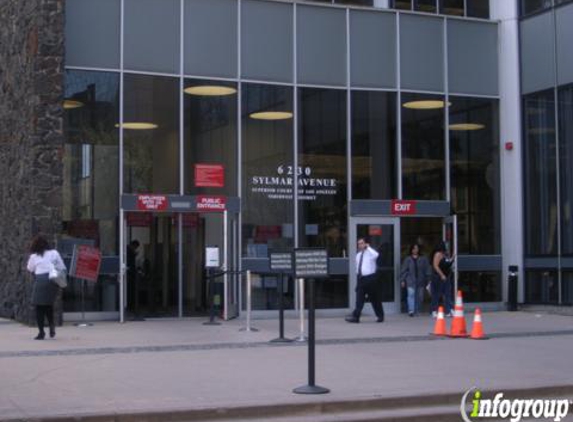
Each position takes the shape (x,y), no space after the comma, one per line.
(392,238)
(164,260)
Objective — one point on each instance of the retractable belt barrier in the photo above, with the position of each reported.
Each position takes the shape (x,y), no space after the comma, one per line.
(214,303)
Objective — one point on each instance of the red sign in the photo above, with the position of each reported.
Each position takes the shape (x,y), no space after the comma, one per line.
(374,230)
(85,263)
(190,220)
(211,203)
(138,219)
(151,202)
(403,207)
(209,175)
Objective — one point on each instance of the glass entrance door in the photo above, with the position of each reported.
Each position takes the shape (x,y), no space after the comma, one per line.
(450,238)
(384,238)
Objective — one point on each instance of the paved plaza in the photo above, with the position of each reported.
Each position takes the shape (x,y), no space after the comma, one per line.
(182,365)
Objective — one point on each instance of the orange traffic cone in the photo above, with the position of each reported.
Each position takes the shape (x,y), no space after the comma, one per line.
(477,328)
(459,322)
(440,326)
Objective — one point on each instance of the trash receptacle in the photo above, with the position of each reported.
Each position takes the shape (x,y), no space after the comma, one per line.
(512,289)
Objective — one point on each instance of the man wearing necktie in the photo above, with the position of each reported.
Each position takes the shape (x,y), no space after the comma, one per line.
(366,282)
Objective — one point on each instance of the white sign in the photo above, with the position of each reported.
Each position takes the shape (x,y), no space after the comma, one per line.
(280,186)
(212,257)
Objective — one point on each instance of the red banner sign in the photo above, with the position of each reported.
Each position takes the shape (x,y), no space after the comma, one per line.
(86,261)
(374,230)
(151,202)
(211,203)
(403,207)
(209,175)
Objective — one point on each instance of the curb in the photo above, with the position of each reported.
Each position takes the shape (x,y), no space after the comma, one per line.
(263,412)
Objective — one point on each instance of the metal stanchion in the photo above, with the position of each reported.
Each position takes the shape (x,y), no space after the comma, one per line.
(211,287)
(83,323)
(249,288)
(281,338)
(301,337)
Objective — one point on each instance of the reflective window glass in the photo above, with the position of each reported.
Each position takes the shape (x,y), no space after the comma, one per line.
(428,6)
(566,167)
(477,8)
(423,153)
(373,145)
(402,4)
(531,6)
(567,287)
(481,286)
(540,178)
(267,169)
(474,161)
(151,134)
(452,7)
(322,170)
(90,161)
(210,117)
(541,286)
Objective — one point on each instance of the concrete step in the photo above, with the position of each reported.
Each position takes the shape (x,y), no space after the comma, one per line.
(424,408)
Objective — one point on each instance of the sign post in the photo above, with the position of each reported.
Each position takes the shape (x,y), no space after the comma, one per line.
(281,262)
(212,262)
(311,263)
(86,262)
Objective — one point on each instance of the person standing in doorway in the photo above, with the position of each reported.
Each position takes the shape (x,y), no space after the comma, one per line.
(44,259)
(441,284)
(414,277)
(366,282)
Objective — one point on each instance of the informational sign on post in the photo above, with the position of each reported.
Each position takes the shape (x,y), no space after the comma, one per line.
(212,257)
(310,263)
(280,261)
(86,262)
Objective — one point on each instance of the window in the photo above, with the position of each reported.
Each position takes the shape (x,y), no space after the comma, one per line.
(373,145)
(566,167)
(210,116)
(532,6)
(151,134)
(540,178)
(474,163)
(267,169)
(423,158)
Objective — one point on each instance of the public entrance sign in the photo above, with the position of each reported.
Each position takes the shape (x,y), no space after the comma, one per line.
(401,207)
(86,262)
(310,263)
(209,175)
(211,203)
(280,261)
(152,202)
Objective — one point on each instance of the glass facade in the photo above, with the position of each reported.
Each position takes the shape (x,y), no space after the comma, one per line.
(474,161)
(423,146)
(565,104)
(91,180)
(323,137)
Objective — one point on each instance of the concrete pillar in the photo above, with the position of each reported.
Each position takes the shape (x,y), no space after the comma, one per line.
(512,213)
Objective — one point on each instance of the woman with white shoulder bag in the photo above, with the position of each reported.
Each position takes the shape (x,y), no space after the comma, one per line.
(46,265)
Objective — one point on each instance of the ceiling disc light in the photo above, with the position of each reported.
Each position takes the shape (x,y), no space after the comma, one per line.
(271,115)
(71,104)
(425,104)
(466,126)
(138,125)
(210,90)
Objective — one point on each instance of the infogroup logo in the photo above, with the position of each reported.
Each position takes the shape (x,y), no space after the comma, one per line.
(514,410)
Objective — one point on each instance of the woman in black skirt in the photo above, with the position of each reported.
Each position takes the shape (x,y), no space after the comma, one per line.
(42,260)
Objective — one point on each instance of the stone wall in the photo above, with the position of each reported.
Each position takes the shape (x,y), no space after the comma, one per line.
(31,139)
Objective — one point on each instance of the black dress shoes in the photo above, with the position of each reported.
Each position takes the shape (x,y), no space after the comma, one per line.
(380,319)
(352,319)
(40,336)
(52,332)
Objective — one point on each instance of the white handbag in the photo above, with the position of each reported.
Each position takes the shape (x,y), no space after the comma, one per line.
(59,277)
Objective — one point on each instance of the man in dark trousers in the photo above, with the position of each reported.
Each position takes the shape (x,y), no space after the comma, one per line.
(366,282)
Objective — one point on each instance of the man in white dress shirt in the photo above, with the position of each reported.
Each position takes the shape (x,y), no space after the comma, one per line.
(366,282)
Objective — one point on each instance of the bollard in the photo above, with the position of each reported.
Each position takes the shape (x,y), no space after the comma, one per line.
(301,337)
(249,288)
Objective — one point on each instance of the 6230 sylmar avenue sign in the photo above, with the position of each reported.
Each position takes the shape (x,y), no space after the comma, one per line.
(280,185)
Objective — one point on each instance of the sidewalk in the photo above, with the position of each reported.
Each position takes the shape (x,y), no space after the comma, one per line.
(168,365)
